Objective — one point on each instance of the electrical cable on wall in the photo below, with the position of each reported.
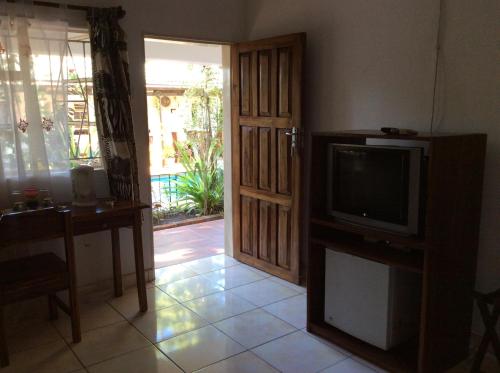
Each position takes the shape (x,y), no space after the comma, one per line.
(436,66)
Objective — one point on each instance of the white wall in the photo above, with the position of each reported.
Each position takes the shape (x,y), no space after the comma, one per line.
(469,101)
(371,63)
(368,63)
(216,20)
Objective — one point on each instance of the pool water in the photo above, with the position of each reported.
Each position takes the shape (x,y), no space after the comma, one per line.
(164,189)
(163,178)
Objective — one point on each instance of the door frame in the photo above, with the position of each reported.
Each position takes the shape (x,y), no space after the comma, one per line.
(227,130)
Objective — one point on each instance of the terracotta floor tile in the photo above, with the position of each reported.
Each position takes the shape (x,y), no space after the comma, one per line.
(187,243)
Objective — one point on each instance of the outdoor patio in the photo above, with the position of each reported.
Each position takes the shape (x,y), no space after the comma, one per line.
(190,242)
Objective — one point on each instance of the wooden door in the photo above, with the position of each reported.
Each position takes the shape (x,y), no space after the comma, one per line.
(266,158)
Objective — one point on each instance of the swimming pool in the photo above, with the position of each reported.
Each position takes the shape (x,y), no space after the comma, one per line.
(165,179)
(164,190)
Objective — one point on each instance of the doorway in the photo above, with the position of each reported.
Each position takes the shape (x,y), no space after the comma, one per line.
(188,103)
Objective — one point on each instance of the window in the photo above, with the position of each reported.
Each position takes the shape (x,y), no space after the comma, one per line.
(84,140)
(77,71)
(47,118)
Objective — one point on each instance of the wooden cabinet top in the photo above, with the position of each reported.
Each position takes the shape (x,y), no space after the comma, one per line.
(422,136)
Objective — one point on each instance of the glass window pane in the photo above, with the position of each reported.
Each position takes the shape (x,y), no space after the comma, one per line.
(81,113)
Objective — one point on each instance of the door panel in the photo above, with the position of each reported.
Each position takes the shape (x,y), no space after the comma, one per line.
(249,166)
(284,77)
(266,99)
(264,88)
(248,225)
(265,164)
(284,237)
(267,225)
(284,164)
(245,84)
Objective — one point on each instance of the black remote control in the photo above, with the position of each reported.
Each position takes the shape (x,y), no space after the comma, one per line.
(398,131)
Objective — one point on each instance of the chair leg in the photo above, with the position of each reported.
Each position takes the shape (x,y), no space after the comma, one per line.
(4,352)
(490,335)
(52,307)
(75,315)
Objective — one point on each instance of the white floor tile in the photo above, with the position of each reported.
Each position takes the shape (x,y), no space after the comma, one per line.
(293,310)
(33,311)
(191,288)
(32,334)
(110,341)
(111,344)
(167,322)
(327,343)
(232,277)
(219,306)
(199,348)
(348,366)
(225,260)
(128,303)
(254,328)
(147,360)
(92,316)
(247,362)
(172,273)
(298,353)
(262,273)
(288,284)
(98,294)
(204,265)
(264,292)
(49,358)
(372,366)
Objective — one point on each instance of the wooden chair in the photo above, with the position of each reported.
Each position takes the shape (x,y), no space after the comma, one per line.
(490,320)
(38,275)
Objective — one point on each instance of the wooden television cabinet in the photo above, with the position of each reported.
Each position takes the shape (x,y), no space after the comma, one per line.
(444,252)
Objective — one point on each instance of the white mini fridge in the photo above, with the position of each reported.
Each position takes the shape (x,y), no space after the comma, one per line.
(371,301)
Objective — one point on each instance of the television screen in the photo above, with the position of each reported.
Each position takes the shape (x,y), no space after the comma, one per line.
(370,182)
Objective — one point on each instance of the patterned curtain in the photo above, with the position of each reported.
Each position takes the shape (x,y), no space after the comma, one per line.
(112,101)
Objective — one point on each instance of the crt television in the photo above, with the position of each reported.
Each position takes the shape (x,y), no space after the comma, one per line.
(378,186)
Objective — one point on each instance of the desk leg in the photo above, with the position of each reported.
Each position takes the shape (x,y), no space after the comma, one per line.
(4,352)
(139,262)
(117,265)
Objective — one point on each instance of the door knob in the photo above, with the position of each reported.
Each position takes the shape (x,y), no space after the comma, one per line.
(293,132)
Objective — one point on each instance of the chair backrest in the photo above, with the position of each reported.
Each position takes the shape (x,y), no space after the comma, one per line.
(38,225)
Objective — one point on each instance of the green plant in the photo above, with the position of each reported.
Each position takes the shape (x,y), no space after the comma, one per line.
(205,100)
(168,151)
(202,186)
(203,183)
(161,213)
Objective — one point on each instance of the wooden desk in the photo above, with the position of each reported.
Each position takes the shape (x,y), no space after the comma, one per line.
(101,218)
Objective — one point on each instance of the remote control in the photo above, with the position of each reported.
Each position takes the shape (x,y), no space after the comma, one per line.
(398,131)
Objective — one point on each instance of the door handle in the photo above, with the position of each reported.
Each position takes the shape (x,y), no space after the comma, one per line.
(293,132)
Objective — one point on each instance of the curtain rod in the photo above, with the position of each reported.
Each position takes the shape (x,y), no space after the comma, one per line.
(49,4)
(57,5)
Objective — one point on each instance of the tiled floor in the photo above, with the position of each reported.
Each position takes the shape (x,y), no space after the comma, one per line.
(190,242)
(210,315)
